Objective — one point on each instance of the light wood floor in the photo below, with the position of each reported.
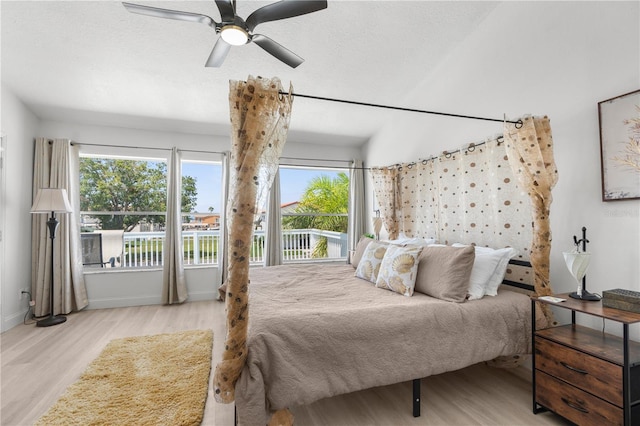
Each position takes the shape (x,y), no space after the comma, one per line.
(37,365)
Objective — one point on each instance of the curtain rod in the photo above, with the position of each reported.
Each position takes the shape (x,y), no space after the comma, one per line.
(141,147)
(316,159)
(323,167)
(446,154)
(518,123)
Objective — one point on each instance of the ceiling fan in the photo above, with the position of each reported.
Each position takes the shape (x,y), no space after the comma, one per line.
(235,31)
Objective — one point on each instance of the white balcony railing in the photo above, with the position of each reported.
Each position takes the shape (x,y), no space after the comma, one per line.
(144,249)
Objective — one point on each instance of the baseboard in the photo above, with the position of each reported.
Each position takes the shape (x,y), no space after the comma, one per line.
(12,320)
(202,295)
(124,302)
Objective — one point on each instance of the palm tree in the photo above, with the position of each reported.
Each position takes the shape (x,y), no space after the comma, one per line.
(325,195)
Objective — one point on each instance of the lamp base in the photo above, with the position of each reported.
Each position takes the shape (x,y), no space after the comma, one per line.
(585,296)
(51,320)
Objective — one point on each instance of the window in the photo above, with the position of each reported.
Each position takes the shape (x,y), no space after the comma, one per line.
(314,204)
(123,210)
(201,208)
(124,200)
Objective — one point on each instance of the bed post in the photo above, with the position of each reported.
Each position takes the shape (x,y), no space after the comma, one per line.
(416,397)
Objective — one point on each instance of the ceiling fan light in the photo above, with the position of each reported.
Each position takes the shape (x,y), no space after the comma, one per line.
(234,35)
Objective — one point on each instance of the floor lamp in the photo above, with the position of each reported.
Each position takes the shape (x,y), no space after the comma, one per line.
(51,200)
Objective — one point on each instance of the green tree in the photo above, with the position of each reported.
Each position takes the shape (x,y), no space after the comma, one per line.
(189,196)
(128,186)
(324,194)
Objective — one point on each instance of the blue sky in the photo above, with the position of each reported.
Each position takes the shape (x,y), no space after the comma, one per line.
(293,182)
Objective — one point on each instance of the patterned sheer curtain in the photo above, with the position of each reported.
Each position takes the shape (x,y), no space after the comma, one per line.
(530,151)
(407,199)
(385,187)
(259,124)
(468,196)
(174,284)
(56,165)
(480,200)
(496,194)
(423,207)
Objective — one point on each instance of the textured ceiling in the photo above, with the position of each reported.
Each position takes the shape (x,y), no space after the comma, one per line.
(94,62)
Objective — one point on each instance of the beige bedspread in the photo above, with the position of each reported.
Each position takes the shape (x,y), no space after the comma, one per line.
(316,331)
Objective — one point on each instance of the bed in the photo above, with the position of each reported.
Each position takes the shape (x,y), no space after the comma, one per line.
(332,333)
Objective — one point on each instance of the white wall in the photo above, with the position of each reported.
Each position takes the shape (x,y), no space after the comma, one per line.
(19,126)
(545,58)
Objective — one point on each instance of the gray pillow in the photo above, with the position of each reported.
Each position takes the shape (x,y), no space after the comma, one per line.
(444,272)
(359,251)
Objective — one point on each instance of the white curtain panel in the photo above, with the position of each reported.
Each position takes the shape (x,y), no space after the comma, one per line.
(40,245)
(223,258)
(273,234)
(56,165)
(174,284)
(357,214)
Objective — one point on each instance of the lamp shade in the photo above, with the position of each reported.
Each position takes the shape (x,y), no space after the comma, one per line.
(51,200)
(377,225)
(577,263)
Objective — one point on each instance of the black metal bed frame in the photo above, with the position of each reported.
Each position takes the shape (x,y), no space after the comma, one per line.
(524,286)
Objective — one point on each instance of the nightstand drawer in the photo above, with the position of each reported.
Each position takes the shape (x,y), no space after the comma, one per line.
(574,404)
(598,377)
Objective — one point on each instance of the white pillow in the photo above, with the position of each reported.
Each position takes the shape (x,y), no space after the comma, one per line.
(504,255)
(399,269)
(488,271)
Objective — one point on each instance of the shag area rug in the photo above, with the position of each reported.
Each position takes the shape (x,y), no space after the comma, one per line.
(149,380)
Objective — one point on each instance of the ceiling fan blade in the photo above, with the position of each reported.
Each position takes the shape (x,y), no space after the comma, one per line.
(283,9)
(227,12)
(219,52)
(169,14)
(277,50)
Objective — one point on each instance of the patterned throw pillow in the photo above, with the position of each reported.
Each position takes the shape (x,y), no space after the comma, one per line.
(399,269)
(369,265)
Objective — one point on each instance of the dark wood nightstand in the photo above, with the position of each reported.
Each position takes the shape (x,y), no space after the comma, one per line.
(585,375)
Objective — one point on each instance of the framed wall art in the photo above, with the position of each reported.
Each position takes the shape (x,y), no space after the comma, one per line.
(619,119)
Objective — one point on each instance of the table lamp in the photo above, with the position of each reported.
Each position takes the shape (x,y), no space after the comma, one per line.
(577,262)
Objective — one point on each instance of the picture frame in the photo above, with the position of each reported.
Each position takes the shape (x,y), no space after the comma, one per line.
(619,120)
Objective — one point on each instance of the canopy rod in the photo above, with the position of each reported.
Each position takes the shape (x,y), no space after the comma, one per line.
(518,123)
